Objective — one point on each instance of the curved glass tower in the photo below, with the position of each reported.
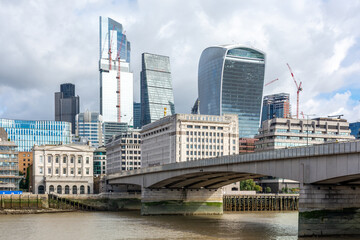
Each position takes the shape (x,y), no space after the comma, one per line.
(231,80)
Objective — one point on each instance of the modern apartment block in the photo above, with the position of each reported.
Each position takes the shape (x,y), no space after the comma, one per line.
(137,115)
(355,129)
(156,88)
(123,152)
(89,125)
(276,106)
(27,133)
(230,81)
(111,129)
(64,169)
(284,132)
(25,161)
(186,137)
(100,161)
(67,105)
(9,168)
(247,145)
(116,79)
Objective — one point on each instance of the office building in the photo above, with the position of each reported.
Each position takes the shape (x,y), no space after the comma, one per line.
(64,169)
(186,137)
(355,129)
(112,129)
(279,133)
(27,133)
(123,152)
(89,125)
(276,106)
(100,161)
(230,81)
(25,161)
(137,115)
(247,145)
(157,98)
(196,108)
(9,166)
(67,104)
(116,79)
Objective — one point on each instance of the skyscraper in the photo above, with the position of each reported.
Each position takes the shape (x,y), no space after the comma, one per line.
(89,126)
(116,80)
(276,106)
(231,80)
(156,88)
(137,115)
(67,104)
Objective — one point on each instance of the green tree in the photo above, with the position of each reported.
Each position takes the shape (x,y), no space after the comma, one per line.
(268,190)
(257,188)
(250,185)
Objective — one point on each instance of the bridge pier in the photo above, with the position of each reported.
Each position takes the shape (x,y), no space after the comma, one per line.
(326,210)
(181,201)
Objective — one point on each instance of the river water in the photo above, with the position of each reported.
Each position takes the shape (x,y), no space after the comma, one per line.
(130,225)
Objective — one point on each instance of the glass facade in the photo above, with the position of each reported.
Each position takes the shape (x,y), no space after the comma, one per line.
(276,106)
(89,126)
(355,129)
(116,87)
(137,115)
(231,80)
(112,129)
(156,88)
(100,161)
(26,133)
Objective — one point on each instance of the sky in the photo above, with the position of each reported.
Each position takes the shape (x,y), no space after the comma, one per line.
(46,43)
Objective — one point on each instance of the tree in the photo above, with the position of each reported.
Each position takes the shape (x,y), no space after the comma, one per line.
(250,185)
(268,190)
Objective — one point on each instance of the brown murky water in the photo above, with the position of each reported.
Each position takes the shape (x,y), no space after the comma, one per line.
(130,225)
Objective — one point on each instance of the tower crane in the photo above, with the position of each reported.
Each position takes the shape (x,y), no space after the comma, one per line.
(271,82)
(118,57)
(110,52)
(298,88)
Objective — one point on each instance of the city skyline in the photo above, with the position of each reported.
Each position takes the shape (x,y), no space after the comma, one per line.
(327,30)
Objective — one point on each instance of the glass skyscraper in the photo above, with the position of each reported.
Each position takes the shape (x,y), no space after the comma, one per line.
(137,115)
(231,80)
(67,105)
(116,80)
(26,133)
(89,126)
(276,106)
(156,88)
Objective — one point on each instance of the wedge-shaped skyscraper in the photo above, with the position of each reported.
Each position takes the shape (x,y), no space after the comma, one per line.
(157,96)
(231,80)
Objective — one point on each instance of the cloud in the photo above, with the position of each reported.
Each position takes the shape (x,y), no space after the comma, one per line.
(44,44)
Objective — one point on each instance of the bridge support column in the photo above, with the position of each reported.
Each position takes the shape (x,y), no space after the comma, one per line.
(181,201)
(329,210)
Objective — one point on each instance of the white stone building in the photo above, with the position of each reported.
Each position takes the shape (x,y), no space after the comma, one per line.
(123,152)
(186,137)
(279,133)
(63,169)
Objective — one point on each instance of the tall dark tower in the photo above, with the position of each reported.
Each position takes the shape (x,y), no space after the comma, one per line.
(67,104)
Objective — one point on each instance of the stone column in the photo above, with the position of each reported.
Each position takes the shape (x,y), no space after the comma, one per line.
(329,210)
(181,201)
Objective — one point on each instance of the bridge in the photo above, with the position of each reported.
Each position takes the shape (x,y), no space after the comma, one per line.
(329,176)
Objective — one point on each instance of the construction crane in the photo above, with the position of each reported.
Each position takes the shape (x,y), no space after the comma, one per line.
(298,88)
(338,116)
(271,82)
(110,52)
(302,113)
(118,57)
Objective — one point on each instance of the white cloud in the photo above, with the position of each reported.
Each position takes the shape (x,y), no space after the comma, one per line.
(44,44)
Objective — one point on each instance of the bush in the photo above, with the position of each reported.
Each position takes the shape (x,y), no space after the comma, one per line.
(268,190)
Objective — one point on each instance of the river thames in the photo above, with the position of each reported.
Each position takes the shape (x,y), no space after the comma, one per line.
(130,225)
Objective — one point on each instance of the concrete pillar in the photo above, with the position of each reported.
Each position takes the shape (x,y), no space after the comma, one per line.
(329,210)
(181,202)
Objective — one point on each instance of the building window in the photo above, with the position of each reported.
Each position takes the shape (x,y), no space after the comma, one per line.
(49,170)
(67,189)
(41,170)
(79,159)
(72,171)
(82,189)
(79,170)
(40,159)
(64,171)
(64,159)
(87,160)
(59,189)
(51,188)
(87,171)
(49,159)
(57,159)
(56,170)
(72,159)
(74,189)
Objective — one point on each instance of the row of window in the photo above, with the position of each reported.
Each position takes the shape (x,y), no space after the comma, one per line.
(191,146)
(204,127)
(64,159)
(207,140)
(64,171)
(41,189)
(205,153)
(204,134)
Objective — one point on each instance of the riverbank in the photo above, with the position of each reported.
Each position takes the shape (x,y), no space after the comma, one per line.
(33,211)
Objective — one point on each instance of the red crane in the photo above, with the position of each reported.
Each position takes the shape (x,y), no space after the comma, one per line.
(271,82)
(118,56)
(110,35)
(298,88)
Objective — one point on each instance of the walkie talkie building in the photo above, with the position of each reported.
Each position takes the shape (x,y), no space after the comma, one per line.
(231,80)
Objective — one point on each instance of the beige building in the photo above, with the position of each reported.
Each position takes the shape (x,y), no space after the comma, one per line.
(284,132)
(186,137)
(123,152)
(64,169)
